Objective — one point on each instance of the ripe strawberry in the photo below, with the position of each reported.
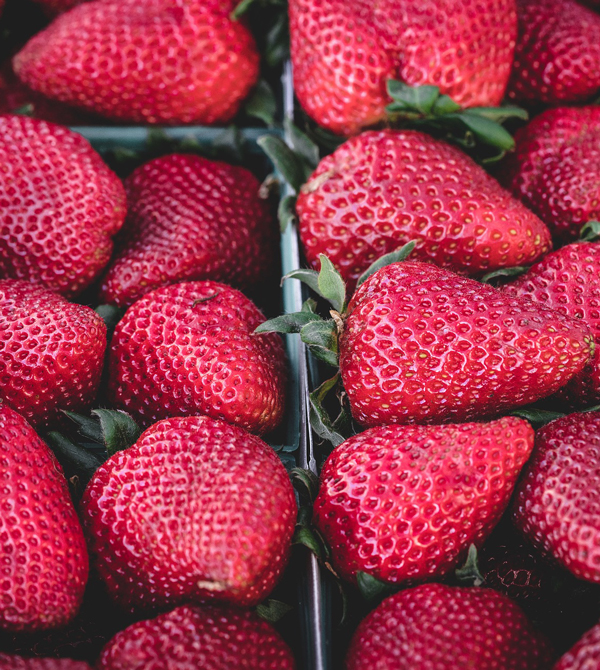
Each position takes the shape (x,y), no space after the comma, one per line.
(422,345)
(60,206)
(555,505)
(211,638)
(51,352)
(190,349)
(9,662)
(436,626)
(196,510)
(45,564)
(568,281)
(585,655)
(190,218)
(405,502)
(382,189)
(158,61)
(558,47)
(343,53)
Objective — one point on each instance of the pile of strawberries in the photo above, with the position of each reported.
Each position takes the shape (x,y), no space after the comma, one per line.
(454,319)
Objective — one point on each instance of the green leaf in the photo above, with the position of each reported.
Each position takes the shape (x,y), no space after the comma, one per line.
(24,110)
(309,481)
(119,430)
(321,337)
(500,114)
(277,41)
(590,232)
(400,254)
(419,99)
(111,315)
(537,417)
(241,9)
(309,305)
(308,277)
(469,574)
(319,419)
(86,427)
(288,323)
(371,588)
(505,273)
(273,610)
(230,143)
(331,284)
(82,461)
(262,103)
(286,212)
(284,159)
(487,132)
(306,537)
(445,105)
(302,145)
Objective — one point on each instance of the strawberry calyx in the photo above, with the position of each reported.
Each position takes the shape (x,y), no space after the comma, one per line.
(590,232)
(469,573)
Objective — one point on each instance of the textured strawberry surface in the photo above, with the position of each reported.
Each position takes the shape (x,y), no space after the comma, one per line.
(45,563)
(157,61)
(585,655)
(51,352)
(424,345)
(188,638)
(382,189)
(60,205)
(190,218)
(10,662)
(436,626)
(556,505)
(558,48)
(555,169)
(405,502)
(343,53)
(190,348)
(196,510)
(568,280)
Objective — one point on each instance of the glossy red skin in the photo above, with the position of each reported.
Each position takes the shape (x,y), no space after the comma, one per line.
(158,61)
(197,510)
(10,662)
(344,52)
(556,504)
(383,189)
(568,280)
(405,502)
(190,219)
(555,169)
(188,637)
(558,48)
(584,655)
(51,352)
(437,626)
(45,564)
(60,203)
(421,344)
(189,349)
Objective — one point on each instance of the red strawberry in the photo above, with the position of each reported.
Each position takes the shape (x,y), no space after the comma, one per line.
(585,655)
(556,502)
(45,564)
(405,502)
(558,48)
(190,218)
(343,53)
(436,626)
(210,638)
(60,206)
(51,352)
(568,281)
(190,349)
(556,168)
(195,510)
(382,189)
(157,61)
(422,345)
(19,663)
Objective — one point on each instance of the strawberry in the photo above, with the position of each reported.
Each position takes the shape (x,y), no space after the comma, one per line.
(210,638)
(190,349)
(421,344)
(196,510)
(382,189)
(558,46)
(555,505)
(45,563)
(568,281)
(343,53)
(60,206)
(555,169)
(190,218)
(585,655)
(436,626)
(51,352)
(158,61)
(9,662)
(405,502)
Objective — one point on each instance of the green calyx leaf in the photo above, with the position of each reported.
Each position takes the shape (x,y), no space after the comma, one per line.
(469,574)
(590,232)
(308,480)
(288,323)
(273,610)
(241,9)
(497,276)
(305,536)
(485,131)
(321,337)
(262,103)
(320,420)
(77,457)
(400,254)
(537,417)
(119,430)
(111,315)
(286,211)
(284,159)
(331,285)
(302,144)
(411,99)
(373,589)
